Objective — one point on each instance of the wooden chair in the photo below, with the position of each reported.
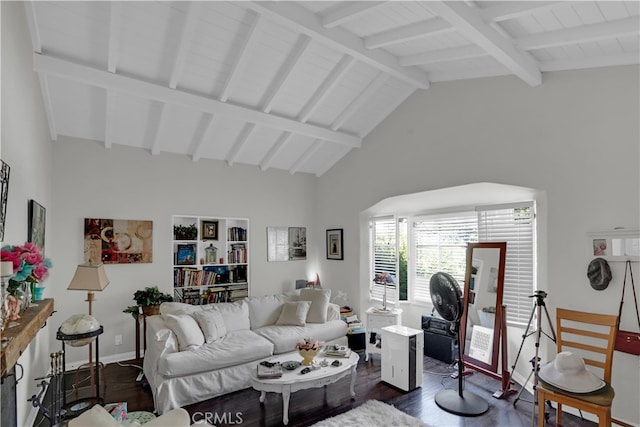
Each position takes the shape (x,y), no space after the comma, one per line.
(592,337)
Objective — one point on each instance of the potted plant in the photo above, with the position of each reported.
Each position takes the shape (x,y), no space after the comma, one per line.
(149,299)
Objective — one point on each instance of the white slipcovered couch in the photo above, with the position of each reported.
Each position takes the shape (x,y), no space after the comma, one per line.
(195,353)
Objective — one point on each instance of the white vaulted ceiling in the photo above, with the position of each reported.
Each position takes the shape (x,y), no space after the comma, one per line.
(292,85)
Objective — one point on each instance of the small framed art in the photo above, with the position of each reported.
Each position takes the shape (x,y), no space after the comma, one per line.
(186,254)
(335,244)
(36,223)
(209,230)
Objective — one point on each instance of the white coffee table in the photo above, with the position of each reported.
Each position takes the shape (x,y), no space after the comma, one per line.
(292,381)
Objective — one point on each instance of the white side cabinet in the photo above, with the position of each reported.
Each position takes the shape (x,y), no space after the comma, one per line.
(402,357)
(376,320)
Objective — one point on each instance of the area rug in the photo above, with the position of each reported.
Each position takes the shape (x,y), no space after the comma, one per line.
(372,413)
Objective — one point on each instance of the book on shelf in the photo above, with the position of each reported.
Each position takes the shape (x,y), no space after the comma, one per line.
(267,372)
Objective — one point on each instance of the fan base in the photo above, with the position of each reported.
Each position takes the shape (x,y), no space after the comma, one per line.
(468,405)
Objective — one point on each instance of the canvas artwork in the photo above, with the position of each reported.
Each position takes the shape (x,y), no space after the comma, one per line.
(118,241)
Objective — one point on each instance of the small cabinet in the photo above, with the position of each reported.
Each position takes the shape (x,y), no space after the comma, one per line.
(210,259)
(376,320)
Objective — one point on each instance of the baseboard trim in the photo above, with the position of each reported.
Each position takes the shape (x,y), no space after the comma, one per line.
(131,355)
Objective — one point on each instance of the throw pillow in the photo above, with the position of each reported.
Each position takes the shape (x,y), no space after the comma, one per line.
(212,325)
(294,313)
(319,303)
(186,329)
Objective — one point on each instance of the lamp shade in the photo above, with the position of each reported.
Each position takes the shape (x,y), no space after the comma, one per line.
(6,268)
(89,277)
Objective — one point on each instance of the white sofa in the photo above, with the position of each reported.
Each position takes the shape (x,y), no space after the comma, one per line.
(185,364)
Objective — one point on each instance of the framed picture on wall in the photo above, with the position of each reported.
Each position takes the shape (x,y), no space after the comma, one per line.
(36,224)
(209,230)
(334,244)
(4,193)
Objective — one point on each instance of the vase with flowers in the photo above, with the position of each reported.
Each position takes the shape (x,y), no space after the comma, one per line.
(30,268)
(308,348)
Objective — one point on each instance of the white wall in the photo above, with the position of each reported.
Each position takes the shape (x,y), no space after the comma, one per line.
(575,137)
(26,147)
(90,181)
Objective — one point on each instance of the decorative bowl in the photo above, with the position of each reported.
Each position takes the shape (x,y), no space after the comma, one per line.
(308,355)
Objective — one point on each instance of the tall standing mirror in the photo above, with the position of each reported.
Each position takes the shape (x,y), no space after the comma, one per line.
(482,327)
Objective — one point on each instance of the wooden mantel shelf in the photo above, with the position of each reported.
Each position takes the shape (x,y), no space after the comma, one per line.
(31,321)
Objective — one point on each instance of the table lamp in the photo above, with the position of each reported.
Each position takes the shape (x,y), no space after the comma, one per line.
(90,278)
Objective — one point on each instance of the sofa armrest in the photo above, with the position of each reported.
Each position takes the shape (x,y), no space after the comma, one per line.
(160,342)
(333,312)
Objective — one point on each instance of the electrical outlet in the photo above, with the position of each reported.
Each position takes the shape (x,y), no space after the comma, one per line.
(118,339)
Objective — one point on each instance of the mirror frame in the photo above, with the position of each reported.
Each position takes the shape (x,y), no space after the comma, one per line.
(498,325)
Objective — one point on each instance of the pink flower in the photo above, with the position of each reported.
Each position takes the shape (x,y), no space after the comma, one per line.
(28,262)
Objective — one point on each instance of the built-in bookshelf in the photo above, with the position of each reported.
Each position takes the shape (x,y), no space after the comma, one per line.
(210,259)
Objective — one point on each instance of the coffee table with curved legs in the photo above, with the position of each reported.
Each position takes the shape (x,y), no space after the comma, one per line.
(292,381)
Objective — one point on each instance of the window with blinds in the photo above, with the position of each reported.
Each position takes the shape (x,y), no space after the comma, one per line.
(384,261)
(513,224)
(439,243)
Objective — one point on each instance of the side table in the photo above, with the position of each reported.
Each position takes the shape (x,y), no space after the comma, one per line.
(376,320)
(76,407)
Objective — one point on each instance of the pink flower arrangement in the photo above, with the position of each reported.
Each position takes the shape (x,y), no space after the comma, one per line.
(29,265)
(309,344)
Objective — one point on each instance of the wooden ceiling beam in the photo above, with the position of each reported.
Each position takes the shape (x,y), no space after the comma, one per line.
(340,153)
(299,19)
(189,26)
(109,112)
(502,11)
(241,59)
(200,135)
(240,142)
(36,44)
(284,73)
(329,83)
(443,55)
(275,149)
(419,30)
(132,86)
(357,103)
(469,23)
(582,34)
(306,156)
(348,11)
(115,18)
(627,58)
(162,121)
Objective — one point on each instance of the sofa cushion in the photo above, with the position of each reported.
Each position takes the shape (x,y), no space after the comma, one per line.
(294,313)
(264,310)
(234,314)
(97,416)
(285,338)
(186,329)
(235,348)
(319,302)
(211,324)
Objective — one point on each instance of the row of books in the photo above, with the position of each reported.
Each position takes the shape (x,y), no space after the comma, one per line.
(209,296)
(186,277)
(237,234)
(237,254)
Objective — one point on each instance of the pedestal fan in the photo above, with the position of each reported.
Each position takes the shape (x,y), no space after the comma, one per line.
(447,300)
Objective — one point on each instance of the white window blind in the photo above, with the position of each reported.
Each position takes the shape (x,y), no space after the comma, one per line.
(513,224)
(384,263)
(440,244)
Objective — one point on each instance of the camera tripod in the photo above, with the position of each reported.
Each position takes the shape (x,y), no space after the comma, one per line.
(539,305)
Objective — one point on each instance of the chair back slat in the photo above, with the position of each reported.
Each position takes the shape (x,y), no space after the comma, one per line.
(590,333)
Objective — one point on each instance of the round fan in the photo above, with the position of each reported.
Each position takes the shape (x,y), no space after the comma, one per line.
(446,296)
(448,301)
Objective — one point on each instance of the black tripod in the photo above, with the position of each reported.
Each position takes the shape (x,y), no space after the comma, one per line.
(535,361)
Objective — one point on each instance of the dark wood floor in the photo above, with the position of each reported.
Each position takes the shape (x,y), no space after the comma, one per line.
(309,406)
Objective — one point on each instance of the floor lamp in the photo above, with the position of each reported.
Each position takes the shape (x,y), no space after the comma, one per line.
(91,278)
